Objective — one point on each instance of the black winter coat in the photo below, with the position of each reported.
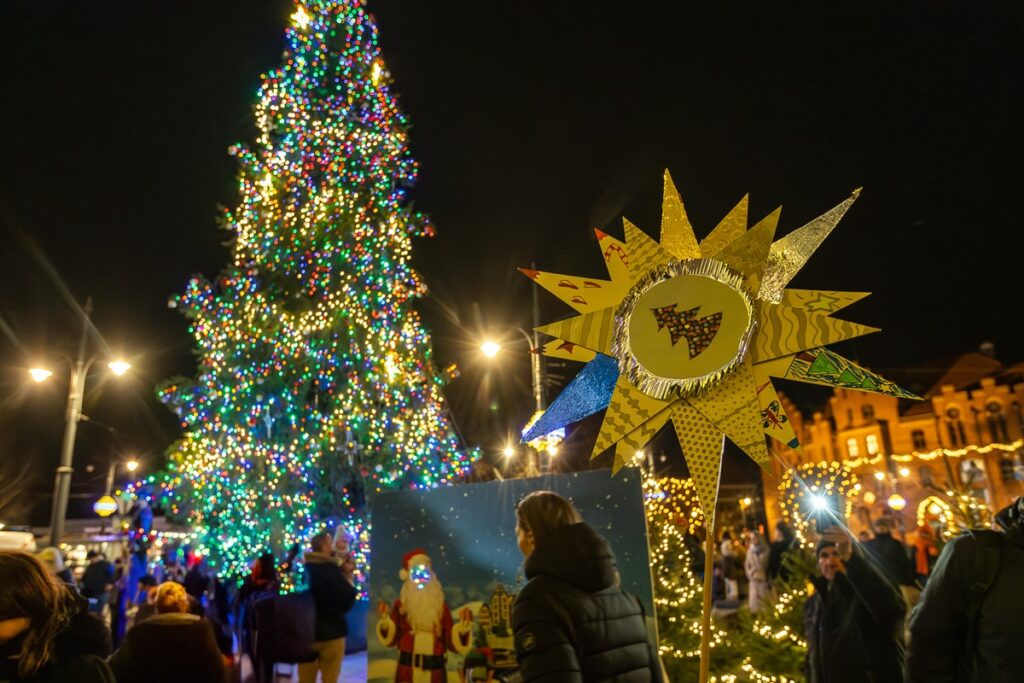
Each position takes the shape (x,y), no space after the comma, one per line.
(572,622)
(891,557)
(854,627)
(169,648)
(938,625)
(333,595)
(79,654)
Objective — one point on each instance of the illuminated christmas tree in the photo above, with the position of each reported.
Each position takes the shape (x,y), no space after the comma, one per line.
(315,382)
(673,520)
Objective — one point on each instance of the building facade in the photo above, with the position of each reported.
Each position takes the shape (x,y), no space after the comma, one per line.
(962,446)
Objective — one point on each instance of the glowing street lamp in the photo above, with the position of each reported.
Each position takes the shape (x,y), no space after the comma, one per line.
(40,374)
(904,472)
(508,451)
(73,415)
(490,348)
(880,476)
(131,465)
(119,367)
(897,502)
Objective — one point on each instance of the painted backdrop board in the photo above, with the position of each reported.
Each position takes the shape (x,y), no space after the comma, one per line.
(468,533)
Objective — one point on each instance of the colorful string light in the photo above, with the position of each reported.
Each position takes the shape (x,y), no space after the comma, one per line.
(315,383)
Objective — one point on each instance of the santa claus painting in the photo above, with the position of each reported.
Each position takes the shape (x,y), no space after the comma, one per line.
(420,625)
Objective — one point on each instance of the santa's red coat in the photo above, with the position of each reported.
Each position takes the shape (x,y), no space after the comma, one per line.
(404,639)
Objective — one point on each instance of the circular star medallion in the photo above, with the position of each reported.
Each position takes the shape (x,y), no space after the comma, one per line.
(682,327)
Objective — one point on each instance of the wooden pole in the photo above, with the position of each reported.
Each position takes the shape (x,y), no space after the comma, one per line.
(709,570)
(705,623)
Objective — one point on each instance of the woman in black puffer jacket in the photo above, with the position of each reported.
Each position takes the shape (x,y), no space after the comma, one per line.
(572,621)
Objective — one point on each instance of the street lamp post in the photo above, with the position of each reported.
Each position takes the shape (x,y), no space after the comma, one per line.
(72,416)
(491,348)
(131,465)
(76,390)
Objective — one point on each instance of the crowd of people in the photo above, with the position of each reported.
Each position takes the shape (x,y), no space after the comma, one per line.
(571,620)
(181,625)
(744,563)
(963,627)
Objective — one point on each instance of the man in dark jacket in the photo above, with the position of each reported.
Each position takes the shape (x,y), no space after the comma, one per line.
(97,580)
(330,583)
(572,622)
(889,554)
(967,626)
(853,622)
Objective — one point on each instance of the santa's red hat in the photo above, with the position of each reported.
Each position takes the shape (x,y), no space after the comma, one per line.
(411,559)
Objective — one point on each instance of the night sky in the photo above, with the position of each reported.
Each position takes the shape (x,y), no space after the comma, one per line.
(533,123)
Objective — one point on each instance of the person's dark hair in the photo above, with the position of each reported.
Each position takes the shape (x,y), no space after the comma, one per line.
(541,512)
(784,529)
(147,581)
(822,544)
(33,593)
(726,536)
(319,539)
(264,572)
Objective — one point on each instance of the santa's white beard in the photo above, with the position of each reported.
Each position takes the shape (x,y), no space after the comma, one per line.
(423,606)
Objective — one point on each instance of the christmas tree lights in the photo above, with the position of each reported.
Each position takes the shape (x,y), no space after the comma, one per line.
(805,487)
(315,381)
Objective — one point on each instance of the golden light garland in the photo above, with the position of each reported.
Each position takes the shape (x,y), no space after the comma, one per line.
(819,478)
(939,509)
(937,453)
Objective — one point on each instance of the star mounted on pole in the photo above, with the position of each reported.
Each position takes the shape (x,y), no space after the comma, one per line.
(726,296)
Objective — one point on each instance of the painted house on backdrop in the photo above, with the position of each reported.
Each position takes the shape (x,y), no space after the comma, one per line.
(968,429)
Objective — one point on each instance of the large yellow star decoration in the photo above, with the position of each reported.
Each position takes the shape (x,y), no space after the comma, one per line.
(693,332)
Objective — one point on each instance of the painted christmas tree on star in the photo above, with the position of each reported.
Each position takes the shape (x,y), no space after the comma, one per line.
(315,382)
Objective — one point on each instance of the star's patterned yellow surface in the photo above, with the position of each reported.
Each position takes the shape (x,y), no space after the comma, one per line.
(783,338)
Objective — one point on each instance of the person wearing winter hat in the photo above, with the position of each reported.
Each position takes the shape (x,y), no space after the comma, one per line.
(419,624)
(854,620)
(571,621)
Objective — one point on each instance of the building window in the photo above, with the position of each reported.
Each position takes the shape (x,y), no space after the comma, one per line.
(925,474)
(867,411)
(852,448)
(972,473)
(957,435)
(849,417)
(871,441)
(1007,471)
(920,443)
(996,421)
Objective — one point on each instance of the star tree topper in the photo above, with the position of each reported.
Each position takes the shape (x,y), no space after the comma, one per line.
(693,333)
